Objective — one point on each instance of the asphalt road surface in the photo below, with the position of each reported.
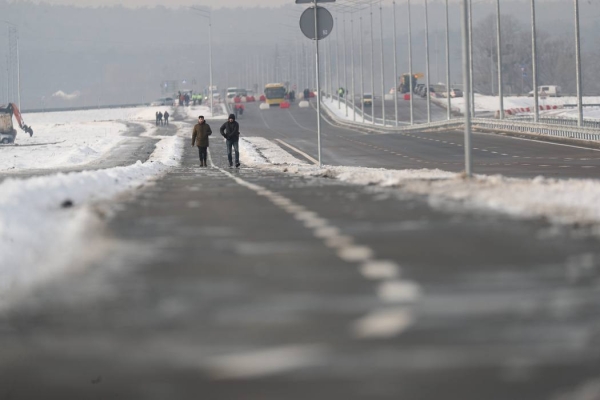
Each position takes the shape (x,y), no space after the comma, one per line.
(248,284)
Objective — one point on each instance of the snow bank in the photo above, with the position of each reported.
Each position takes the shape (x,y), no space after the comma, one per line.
(572,201)
(71,138)
(194,112)
(261,151)
(39,230)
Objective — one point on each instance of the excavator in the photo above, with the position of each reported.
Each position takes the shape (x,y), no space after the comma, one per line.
(7,132)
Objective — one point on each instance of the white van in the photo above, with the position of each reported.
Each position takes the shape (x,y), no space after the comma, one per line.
(549,90)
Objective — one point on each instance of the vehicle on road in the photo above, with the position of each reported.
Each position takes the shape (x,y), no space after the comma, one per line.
(548,90)
(7,132)
(454,92)
(167,101)
(367,99)
(274,93)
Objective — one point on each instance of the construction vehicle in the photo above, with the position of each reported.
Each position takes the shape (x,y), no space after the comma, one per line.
(405,82)
(7,132)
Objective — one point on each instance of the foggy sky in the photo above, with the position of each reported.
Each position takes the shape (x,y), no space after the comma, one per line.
(169,3)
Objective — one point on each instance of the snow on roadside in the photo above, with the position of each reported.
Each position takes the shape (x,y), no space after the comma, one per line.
(71,138)
(490,104)
(39,238)
(194,112)
(572,201)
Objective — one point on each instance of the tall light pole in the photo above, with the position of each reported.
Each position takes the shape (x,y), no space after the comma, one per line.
(449,100)
(362,73)
(208,15)
(427,79)
(466,84)
(395,68)
(352,55)
(578,66)
(382,64)
(345,68)
(536,105)
(337,62)
(410,65)
(317,81)
(372,67)
(471,74)
(499,48)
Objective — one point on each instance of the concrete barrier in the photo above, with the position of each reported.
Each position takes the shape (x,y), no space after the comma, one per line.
(264,106)
(303,104)
(389,97)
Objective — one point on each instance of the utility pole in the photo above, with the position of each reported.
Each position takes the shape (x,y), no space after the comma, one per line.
(578,66)
(395,68)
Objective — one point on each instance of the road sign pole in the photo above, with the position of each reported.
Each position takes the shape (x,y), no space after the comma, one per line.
(536,104)
(318,83)
(410,64)
(467,85)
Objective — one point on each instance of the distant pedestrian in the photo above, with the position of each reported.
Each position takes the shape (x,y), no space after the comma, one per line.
(230,130)
(157,118)
(160,118)
(200,138)
(166,115)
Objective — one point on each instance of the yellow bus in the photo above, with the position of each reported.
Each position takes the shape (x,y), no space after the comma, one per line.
(274,93)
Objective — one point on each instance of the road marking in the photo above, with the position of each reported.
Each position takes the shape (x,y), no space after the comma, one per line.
(384,323)
(267,362)
(314,161)
(380,323)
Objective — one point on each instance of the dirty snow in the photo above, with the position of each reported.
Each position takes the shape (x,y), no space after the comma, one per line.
(39,238)
(70,138)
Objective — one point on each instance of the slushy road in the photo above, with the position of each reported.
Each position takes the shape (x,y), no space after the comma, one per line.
(222,284)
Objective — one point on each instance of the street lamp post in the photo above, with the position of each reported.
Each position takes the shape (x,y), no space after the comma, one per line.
(427,79)
(395,69)
(382,64)
(410,65)
(362,74)
(372,67)
(499,48)
(536,112)
(449,105)
(578,66)
(352,55)
(467,84)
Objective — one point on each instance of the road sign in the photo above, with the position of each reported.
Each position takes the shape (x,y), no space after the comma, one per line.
(325,22)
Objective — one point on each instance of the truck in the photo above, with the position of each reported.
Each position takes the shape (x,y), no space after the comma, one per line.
(7,132)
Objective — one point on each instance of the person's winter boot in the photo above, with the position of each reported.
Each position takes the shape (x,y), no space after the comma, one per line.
(237,165)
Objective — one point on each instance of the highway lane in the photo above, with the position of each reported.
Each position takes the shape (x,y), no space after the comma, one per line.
(223,284)
(492,153)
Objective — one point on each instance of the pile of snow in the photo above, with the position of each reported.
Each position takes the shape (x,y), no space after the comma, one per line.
(70,138)
(261,151)
(194,112)
(572,201)
(40,231)
(340,113)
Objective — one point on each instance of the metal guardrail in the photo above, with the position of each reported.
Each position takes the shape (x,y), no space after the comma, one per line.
(587,123)
(541,128)
(557,127)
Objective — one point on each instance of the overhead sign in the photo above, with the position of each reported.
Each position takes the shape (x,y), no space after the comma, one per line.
(307,22)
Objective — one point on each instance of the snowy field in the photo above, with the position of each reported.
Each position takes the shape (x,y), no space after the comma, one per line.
(70,138)
(573,201)
(45,220)
(491,104)
(195,111)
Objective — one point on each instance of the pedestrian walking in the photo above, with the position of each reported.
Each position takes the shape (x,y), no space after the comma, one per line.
(230,130)
(166,115)
(200,138)
(160,118)
(157,118)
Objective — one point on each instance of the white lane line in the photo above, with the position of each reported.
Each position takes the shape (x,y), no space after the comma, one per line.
(314,161)
(379,323)
(266,362)
(379,270)
(383,324)
(399,292)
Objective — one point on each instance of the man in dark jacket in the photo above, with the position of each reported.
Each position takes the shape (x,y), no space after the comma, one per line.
(231,132)
(200,138)
(166,115)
